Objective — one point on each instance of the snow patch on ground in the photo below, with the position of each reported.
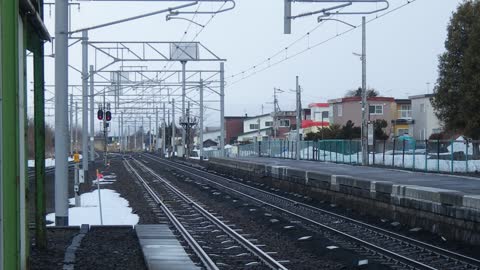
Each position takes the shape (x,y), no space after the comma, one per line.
(115,209)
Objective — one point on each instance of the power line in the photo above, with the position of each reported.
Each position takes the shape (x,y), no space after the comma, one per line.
(287,57)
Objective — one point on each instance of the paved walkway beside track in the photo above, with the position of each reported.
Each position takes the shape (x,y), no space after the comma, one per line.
(465,184)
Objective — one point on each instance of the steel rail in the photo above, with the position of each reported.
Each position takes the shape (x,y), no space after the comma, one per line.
(206,260)
(262,255)
(462,258)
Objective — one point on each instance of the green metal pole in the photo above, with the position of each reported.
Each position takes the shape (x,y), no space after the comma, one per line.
(451,155)
(10,134)
(426,155)
(39,124)
(466,157)
(350,150)
(438,156)
(414,150)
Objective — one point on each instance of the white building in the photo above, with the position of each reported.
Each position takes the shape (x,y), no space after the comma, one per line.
(258,122)
(256,127)
(209,133)
(319,117)
(426,122)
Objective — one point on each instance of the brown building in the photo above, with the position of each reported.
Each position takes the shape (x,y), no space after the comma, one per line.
(233,128)
(350,108)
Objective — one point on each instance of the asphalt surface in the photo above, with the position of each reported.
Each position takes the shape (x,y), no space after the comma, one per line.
(466,184)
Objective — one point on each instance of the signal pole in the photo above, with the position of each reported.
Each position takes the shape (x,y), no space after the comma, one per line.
(92,117)
(85,156)
(105,136)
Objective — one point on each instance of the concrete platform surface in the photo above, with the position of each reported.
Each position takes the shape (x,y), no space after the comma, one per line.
(465,184)
(161,249)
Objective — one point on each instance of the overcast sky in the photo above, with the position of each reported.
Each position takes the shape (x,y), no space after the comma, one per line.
(402,48)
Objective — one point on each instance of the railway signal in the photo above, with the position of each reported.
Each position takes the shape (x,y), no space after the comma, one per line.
(108,116)
(100,114)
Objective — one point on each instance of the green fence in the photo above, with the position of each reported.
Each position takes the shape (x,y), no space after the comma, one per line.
(446,156)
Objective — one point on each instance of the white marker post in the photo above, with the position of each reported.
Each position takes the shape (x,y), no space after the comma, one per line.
(99,199)
(76,186)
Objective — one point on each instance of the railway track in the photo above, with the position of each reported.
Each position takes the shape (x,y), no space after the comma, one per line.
(392,249)
(48,170)
(218,245)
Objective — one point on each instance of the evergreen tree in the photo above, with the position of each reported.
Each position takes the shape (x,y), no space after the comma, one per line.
(358,93)
(457,92)
(350,131)
(378,129)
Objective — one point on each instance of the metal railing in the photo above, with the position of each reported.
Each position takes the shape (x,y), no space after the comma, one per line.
(446,156)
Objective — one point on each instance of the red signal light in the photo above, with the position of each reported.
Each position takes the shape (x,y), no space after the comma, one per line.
(100,114)
(108,116)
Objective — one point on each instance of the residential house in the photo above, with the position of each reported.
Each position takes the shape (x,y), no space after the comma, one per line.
(350,108)
(211,134)
(319,117)
(403,122)
(426,122)
(262,126)
(210,143)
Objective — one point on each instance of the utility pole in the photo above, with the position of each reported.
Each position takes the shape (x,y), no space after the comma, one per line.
(299,119)
(143,135)
(222,109)
(200,143)
(173,127)
(61,111)
(276,109)
(135,136)
(92,116)
(188,130)
(274,113)
(149,133)
(119,132)
(85,103)
(72,135)
(163,132)
(364,95)
(105,131)
(76,127)
(184,93)
(157,134)
(122,139)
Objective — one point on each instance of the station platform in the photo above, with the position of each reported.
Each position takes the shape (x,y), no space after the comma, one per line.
(161,249)
(464,184)
(445,204)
